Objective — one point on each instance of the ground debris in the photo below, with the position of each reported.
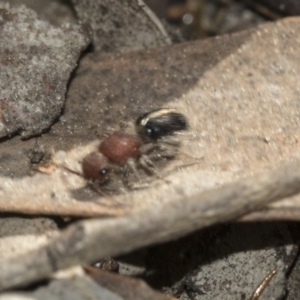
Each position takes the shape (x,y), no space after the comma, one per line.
(121,26)
(36,62)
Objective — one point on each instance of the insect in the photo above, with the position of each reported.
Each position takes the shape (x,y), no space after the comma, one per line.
(95,167)
(118,154)
(158,129)
(121,153)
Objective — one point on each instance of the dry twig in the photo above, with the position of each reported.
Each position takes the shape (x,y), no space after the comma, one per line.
(87,241)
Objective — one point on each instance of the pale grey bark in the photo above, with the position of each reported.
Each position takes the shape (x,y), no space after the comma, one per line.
(89,240)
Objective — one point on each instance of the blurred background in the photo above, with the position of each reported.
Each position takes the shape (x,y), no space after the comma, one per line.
(196,19)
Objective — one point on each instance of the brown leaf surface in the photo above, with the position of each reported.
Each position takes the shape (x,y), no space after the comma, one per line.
(242,108)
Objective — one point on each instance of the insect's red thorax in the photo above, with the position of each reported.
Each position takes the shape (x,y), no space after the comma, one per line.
(119,147)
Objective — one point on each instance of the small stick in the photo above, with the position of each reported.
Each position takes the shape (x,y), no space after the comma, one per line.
(90,240)
(154,19)
(259,290)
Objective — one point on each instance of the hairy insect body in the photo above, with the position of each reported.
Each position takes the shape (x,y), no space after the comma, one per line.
(95,167)
(119,147)
(120,152)
(161,122)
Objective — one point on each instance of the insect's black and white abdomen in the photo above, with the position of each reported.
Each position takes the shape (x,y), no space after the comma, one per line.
(159,123)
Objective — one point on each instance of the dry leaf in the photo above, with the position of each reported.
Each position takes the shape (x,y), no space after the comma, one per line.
(88,241)
(239,124)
